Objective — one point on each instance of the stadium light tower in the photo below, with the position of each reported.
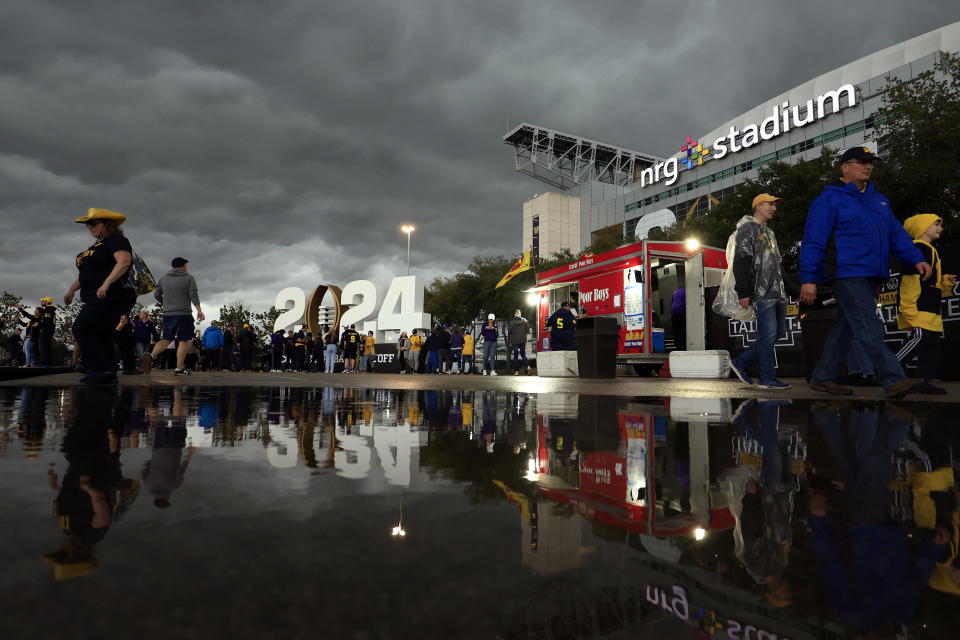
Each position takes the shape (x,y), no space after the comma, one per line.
(408,229)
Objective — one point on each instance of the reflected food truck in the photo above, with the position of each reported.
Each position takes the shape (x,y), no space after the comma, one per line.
(635,285)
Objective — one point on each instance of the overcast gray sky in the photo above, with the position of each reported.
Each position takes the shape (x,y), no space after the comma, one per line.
(280,143)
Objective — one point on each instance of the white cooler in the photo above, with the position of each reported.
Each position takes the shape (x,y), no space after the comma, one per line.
(700,364)
(557,364)
(684,409)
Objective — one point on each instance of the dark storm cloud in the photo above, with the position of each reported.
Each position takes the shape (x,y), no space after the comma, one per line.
(283,143)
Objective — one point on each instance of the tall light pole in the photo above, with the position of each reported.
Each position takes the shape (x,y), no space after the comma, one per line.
(408,229)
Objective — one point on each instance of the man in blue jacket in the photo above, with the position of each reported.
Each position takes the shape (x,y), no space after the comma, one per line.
(212,340)
(849,236)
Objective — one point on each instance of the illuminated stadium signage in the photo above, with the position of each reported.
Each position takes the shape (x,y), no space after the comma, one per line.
(783,118)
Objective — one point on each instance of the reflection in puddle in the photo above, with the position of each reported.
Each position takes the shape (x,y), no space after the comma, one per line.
(580,516)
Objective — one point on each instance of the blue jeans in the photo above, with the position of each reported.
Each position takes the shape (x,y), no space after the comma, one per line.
(330,358)
(30,349)
(862,447)
(857,360)
(857,316)
(489,356)
(520,350)
(771,324)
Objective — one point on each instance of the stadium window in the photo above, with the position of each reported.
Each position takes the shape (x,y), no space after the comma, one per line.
(853,128)
(836,134)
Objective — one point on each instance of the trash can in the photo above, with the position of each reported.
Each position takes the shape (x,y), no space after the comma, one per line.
(597,347)
(815,326)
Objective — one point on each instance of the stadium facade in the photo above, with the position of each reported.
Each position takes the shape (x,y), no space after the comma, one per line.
(630,192)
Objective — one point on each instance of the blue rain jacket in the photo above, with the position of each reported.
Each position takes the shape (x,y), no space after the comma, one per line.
(851,235)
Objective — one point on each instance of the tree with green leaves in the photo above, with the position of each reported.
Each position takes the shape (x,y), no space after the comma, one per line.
(918,135)
(235,314)
(9,314)
(454,300)
(262,322)
(63,333)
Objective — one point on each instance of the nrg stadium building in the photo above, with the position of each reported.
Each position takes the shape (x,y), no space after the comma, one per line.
(601,187)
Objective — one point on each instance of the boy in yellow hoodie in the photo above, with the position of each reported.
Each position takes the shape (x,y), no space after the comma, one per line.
(920,301)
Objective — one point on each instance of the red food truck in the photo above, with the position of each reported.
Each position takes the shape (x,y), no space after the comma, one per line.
(635,285)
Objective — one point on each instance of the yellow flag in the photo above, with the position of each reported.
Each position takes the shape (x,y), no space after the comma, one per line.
(521,265)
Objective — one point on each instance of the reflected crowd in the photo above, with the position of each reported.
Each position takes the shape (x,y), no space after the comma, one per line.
(758,518)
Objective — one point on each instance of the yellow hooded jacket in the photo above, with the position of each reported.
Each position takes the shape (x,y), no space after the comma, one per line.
(920,301)
(925,516)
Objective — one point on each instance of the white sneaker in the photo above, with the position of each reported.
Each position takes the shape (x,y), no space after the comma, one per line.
(484,372)
(493,373)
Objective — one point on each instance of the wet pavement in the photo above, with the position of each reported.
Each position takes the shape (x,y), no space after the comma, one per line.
(622,385)
(186,510)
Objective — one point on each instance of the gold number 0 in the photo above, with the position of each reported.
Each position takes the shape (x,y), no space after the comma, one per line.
(313,307)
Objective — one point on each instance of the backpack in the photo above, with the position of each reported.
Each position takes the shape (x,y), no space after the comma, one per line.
(139,280)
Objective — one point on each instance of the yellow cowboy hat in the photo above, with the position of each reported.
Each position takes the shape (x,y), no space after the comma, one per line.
(102,214)
(68,569)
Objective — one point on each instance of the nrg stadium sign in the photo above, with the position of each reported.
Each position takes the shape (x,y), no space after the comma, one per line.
(783,117)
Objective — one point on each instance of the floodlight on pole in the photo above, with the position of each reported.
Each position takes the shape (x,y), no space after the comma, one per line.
(408,229)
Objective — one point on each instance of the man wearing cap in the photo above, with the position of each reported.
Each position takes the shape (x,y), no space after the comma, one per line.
(517,332)
(759,282)
(490,335)
(48,325)
(562,324)
(849,236)
(175,291)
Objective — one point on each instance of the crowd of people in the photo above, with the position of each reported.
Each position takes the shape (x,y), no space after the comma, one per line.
(849,236)
(109,339)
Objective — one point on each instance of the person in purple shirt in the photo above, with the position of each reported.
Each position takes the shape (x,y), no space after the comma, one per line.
(490,335)
(678,318)
(277,342)
(144,334)
(456,350)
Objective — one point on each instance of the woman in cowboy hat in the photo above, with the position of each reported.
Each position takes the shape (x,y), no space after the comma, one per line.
(102,269)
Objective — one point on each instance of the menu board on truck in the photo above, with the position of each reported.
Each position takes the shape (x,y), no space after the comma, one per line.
(633,301)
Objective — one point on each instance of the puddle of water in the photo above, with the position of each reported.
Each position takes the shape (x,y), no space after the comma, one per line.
(382,514)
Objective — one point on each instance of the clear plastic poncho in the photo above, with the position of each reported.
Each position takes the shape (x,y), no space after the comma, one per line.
(727,302)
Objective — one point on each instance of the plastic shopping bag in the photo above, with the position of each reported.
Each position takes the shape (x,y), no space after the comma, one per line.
(727,302)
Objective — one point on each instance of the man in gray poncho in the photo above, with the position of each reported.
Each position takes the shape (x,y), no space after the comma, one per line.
(759,282)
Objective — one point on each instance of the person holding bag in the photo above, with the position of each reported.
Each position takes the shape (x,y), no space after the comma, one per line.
(102,269)
(759,285)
